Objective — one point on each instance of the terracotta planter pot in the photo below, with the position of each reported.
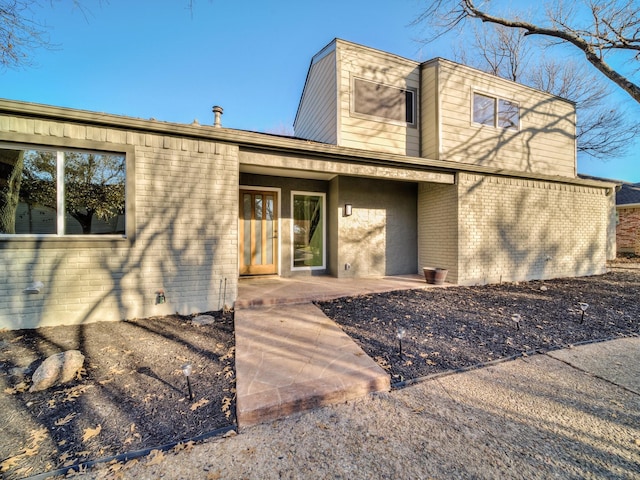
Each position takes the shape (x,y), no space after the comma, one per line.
(435,276)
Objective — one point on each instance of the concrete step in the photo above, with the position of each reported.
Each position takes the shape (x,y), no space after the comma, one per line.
(293,358)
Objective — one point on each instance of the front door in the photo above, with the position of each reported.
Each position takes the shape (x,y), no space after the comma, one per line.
(258,232)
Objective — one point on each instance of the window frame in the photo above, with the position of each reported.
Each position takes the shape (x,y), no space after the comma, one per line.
(38,142)
(496,110)
(378,118)
(323,196)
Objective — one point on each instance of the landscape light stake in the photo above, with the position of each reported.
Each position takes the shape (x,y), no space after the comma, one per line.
(186,369)
(516,318)
(400,334)
(583,306)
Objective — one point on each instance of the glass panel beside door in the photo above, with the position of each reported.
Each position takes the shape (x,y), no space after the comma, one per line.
(308,230)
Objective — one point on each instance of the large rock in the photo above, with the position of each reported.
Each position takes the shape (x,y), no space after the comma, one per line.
(203,320)
(57,369)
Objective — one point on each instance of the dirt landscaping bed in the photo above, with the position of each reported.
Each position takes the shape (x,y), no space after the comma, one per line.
(454,328)
(133,396)
(130,396)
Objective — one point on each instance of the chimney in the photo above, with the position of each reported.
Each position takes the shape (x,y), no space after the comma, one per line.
(217,112)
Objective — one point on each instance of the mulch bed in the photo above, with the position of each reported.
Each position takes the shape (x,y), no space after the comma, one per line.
(456,328)
(130,396)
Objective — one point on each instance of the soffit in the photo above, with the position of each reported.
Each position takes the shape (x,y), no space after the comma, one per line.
(324,169)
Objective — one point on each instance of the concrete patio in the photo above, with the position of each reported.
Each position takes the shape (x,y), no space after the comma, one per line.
(290,357)
(268,291)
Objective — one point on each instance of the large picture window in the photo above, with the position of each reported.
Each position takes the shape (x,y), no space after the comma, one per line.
(384,102)
(308,237)
(61,192)
(495,112)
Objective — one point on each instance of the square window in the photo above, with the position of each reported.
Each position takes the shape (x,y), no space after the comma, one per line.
(484,109)
(508,114)
(495,112)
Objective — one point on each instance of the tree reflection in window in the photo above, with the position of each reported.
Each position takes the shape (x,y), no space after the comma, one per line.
(308,231)
(91,191)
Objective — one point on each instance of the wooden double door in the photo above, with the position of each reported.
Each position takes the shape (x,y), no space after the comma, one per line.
(258,232)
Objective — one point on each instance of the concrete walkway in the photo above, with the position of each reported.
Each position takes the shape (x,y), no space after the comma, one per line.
(617,362)
(566,414)
(290,357)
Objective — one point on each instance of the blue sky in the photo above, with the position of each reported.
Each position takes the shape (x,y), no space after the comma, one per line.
(158,59)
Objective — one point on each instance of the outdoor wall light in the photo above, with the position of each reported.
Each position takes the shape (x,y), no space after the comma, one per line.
(348,209)
(186,370)
(160,298)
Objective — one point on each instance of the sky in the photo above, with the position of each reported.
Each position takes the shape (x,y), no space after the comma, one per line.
(161,59)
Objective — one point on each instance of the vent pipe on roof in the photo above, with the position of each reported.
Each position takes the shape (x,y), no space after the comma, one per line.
(217,112)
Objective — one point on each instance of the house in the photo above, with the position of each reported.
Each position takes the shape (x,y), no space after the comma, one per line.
(628,215)
(396,165)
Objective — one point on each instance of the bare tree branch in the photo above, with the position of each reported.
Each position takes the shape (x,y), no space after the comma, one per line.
(614,27)
(602,131)
(19,34)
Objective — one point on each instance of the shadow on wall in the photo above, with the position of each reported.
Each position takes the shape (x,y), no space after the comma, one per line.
(380,237)
(179,248)
(532,233)
(185,244)
(363,250)
(526,149)
(380,106)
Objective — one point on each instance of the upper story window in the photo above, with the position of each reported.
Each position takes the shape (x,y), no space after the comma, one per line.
(55,192)
(495,112)
(384,102)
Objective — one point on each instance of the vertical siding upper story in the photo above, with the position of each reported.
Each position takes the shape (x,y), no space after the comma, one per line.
(317,114)
(429,111)
(544,142)
(365,132)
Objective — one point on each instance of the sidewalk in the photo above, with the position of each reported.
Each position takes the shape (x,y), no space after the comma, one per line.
(568,414)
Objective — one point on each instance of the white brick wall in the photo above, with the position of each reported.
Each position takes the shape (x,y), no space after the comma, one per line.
(186,211)
(438,228)
(489,229)
(514,229)
(185,203)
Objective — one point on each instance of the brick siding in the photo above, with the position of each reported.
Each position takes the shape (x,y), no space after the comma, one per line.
(628,230)
(185,240)
(515,229)
(490,229)
(438,228)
